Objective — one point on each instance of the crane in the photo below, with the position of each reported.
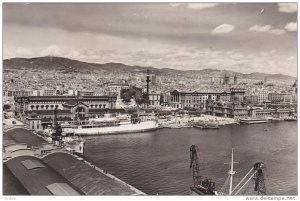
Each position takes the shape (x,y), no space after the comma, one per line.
(202,187)
(207,187)
(57,130)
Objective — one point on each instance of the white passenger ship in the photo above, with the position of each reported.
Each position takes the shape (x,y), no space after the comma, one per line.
(111,125)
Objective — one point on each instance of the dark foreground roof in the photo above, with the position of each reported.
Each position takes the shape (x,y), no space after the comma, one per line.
(11,185)
(7,139)
(35,180)
(84,177)
(21,135)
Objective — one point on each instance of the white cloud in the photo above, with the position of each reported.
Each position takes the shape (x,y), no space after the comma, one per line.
(278,31)
(201,6)
(292,26)
(198,6)
(287,7)
(259,28)
(52,50)
(23,51)
(177,4)
(266,29)
(223,28)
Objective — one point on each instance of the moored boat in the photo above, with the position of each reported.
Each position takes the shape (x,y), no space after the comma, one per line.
(117,128)
(291,118)
(205,125)
(111,125)
(252,121)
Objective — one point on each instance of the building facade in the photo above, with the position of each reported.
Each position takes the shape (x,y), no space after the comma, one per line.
(237,94)
(262,96)
(251,99)
(114,89)
(281,98)
(36,103)
(154,99)
(199,99)
(236,111)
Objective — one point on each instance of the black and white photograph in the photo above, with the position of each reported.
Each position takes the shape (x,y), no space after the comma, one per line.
(150,99)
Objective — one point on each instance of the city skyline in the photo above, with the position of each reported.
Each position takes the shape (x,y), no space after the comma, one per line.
(241,37)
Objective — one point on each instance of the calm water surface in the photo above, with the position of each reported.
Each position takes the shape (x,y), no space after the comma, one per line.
(158,162)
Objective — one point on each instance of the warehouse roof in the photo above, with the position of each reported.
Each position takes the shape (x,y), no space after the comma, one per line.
(34,180)
(61,189)
(21,135)
(87,179)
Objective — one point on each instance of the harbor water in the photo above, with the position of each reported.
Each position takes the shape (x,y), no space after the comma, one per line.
(158,162)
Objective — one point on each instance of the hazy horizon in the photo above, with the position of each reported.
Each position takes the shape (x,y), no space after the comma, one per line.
(146,66)
(241,37)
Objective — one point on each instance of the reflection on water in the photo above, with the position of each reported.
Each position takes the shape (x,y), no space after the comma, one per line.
(158,162)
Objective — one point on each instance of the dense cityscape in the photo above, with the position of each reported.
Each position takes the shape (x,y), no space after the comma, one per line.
(150,99)
(252,92)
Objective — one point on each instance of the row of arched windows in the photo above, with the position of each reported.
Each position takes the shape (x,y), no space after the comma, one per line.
(97,106)
(52,107)
(43,107)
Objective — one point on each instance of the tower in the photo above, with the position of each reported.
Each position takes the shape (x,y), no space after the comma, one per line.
(226,80)
(235,80)
(148,81)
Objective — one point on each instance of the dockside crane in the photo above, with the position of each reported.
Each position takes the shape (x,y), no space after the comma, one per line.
(57,130)
(207,187)
(201,186)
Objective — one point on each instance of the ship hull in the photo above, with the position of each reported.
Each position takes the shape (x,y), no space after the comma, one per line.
(253,121)
(122,129)
(200,192)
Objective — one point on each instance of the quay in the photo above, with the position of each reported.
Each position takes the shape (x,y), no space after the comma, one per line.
(33,167)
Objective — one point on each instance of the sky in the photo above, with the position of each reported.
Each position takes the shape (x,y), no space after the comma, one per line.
(242,37)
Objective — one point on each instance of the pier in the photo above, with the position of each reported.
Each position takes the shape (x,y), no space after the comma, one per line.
(38,168)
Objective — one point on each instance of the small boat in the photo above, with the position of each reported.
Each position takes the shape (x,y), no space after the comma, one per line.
(206,125)
(253,121)
(291,118)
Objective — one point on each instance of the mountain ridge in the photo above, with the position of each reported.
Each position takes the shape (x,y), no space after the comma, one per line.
(67,65)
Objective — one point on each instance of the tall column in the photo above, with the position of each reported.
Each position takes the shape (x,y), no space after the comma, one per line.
(148,81)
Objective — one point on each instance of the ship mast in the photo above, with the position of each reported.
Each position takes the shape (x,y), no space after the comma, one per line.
(231,172)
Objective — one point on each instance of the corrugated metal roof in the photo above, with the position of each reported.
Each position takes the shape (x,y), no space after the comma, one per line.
(61,189)
(8,140)
(35,180)
(85,178)
(21,135)
(32,164)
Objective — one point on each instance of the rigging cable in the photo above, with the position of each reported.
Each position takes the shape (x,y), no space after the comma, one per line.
(242,179)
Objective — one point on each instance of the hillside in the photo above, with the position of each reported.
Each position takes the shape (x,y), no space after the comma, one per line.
(69,65)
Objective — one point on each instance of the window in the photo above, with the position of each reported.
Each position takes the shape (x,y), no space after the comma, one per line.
(32,164)
(61,189)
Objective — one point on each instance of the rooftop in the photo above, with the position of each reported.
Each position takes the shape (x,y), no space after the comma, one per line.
(87,179)
(34,180)
(21,135)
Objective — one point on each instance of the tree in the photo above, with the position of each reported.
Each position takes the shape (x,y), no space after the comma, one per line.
(134,92)
(6,107)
